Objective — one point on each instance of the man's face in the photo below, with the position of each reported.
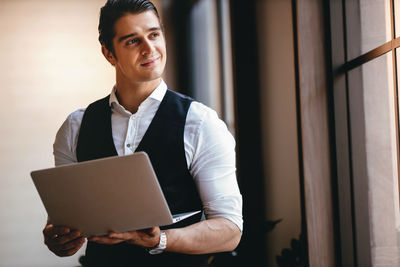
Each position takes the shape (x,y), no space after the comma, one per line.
(139,48)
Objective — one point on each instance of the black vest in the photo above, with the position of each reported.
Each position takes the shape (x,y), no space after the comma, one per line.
(163,142)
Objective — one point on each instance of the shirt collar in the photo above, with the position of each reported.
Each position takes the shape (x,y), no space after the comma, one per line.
(157,94)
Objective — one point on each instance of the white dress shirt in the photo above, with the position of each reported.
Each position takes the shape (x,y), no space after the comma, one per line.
(209,149)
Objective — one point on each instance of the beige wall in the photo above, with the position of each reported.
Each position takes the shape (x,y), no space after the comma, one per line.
(278,111)
(51,64)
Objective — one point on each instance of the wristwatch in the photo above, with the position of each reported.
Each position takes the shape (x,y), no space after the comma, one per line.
(162,245)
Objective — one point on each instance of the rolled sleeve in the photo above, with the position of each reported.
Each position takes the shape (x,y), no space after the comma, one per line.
(64,146)
(212,163)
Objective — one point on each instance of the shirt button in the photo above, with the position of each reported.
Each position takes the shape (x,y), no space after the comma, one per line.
(128,145)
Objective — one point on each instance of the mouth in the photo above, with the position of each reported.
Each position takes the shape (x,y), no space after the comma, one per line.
(150,62)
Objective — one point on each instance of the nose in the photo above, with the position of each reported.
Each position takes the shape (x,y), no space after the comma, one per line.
(147,47)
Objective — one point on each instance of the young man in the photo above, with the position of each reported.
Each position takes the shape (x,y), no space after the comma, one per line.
(191,151)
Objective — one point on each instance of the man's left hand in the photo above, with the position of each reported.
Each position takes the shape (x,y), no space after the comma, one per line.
(147,238)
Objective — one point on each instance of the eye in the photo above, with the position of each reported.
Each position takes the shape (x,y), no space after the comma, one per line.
(132,41)
(154,35)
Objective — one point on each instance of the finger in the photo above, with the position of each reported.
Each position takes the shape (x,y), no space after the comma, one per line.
(124,236)
(105,240)
(56,240)
(152,232)
(61,230)
(66,253)
(77,243)
(62,239)
(66,249)
(109,241)
(55,231)
(47,231)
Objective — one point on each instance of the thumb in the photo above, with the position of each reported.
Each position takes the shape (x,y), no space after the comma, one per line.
(151,231)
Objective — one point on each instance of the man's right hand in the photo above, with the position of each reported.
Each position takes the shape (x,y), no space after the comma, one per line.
(62,241)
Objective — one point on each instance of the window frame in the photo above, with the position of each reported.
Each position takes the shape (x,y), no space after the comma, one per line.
(353,197)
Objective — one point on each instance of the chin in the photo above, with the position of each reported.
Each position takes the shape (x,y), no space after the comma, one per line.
(151,78)
(154,75)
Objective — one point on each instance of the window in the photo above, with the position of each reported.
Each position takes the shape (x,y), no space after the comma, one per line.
(365,41)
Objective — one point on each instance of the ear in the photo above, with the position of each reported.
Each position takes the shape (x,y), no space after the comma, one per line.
(108,55)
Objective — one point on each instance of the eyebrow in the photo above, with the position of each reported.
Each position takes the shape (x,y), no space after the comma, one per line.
(120,39)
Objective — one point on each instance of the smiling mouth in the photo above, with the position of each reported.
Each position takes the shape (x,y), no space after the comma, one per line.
(150,62)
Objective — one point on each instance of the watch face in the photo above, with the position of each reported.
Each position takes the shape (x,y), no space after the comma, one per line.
(156,251)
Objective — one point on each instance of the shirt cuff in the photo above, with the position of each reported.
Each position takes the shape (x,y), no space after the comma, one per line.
(228,207)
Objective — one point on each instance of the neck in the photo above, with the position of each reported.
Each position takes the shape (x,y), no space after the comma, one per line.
(131,95)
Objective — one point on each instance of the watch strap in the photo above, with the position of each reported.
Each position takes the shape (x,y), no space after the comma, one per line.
(162,245)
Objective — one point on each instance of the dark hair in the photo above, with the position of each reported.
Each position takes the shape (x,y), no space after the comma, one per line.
(115,9)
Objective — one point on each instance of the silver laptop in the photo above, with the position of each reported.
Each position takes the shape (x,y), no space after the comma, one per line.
(118,194)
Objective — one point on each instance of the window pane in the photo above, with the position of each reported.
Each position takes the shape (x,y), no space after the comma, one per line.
(372,112)
(368,25)
(205,54)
